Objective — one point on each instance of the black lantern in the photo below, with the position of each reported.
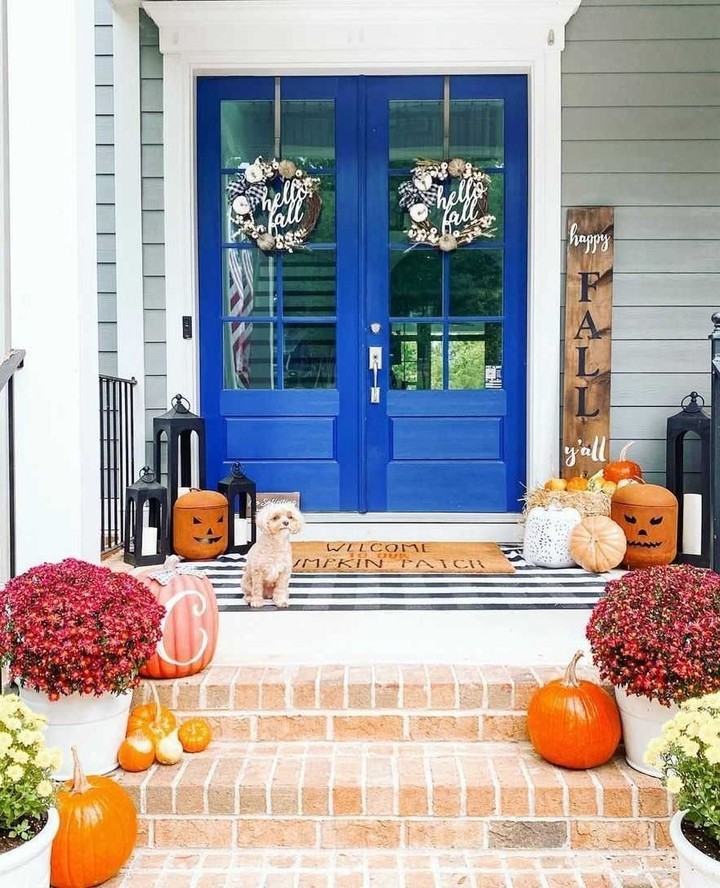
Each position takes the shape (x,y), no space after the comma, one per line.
(146,520)
(694,524)
(241,495)
(185,461)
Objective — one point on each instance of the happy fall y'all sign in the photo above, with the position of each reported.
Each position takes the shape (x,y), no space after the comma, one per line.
(588,340)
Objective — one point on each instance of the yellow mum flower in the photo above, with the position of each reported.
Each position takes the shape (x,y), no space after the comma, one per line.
(689,747)
(673,783)
(27,737)
(44,758)
(44,788)
(15,773)
(5,742)
(654,750)
(712,754)
(14,724)
(19,756)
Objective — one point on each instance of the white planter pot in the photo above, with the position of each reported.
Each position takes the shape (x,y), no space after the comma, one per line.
(697,870)
(28,865)
(96,725)
(642,721)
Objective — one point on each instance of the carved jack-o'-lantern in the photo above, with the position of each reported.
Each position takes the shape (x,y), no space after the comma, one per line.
(200,525)
(648,514)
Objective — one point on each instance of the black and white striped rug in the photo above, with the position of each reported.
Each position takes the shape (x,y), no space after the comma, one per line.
(529,588)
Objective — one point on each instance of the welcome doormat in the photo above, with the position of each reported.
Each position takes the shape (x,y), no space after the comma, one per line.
(374,556)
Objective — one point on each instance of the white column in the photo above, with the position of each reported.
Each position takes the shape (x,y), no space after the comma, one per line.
(5,333)
(54,278)
(128,212)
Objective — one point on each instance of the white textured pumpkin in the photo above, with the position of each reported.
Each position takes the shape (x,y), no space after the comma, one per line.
(547,535)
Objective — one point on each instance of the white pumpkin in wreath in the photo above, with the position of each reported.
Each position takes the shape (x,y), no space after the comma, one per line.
(547,535)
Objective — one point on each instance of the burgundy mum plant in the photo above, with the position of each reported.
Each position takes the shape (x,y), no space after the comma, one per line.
(656,632)
(75,627)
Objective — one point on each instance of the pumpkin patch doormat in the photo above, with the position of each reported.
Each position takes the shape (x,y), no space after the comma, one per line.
(374,556)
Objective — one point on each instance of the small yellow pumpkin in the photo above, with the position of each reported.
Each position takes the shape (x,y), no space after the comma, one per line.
(597,544)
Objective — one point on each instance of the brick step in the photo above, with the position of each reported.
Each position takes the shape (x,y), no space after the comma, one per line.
(215,868)
(402,795)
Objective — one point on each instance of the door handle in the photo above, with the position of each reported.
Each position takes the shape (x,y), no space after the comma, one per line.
(375,365)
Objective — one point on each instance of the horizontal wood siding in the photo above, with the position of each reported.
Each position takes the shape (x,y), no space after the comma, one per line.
(153,224)
(641,132)
(105,185)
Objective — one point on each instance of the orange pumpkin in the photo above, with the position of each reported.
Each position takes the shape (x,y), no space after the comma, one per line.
(622,468)
(98,829)
(151,719)
(572,722)
(597,543)
(200,525)
(648,514)
(577,483)
(136,752)
(195,735)
(191,621)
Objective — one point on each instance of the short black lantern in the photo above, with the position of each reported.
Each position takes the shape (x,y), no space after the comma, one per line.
(185,458)
(694,524)
(146,520)
(241,495)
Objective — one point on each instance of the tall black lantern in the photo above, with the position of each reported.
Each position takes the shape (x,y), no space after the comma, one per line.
(241,495)
(694,524)
(146,520)
(185,462)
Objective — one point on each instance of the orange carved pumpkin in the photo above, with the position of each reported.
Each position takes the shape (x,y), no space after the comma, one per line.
(190,624)
(200,525)
(597,543)
(648,515)
(572,722)
(98,829)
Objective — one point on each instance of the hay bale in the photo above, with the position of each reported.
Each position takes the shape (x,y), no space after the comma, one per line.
(585,501)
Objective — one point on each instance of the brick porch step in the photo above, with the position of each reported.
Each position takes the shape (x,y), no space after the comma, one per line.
(382,702)
(413,869)
(403,795)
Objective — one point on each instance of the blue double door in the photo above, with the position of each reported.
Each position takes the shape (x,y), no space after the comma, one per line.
(365,372)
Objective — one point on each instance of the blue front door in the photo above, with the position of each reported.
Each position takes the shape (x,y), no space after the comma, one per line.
(287,340)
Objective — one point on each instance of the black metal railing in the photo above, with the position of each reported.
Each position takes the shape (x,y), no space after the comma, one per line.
(117,458)
(12,362)
(715,442)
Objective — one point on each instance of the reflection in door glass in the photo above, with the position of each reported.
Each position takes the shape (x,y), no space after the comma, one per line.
(249,283)
(476,130)
(308,132)
(246,131)
(416,283)
(309,356)
(476,283)
(416,356)
(416,130)
(475,356)
(249,355)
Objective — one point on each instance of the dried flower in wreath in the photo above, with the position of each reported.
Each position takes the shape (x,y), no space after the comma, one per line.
(286,196)
(446,220)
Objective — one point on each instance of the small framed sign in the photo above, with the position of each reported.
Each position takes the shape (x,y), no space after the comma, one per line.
(588,340)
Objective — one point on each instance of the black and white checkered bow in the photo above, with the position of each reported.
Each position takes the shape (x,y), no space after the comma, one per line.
(409,194)
(240,187)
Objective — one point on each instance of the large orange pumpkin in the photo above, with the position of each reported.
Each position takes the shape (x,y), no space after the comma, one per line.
(98,830)
(200,525)
(191,621)
(648,515)
(572,722)
(597,543)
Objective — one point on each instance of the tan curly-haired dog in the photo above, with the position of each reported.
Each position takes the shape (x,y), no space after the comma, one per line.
(269,561)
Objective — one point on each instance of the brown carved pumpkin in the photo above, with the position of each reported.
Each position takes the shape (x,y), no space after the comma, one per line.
(572,722)
(200,525)
(648,514)
(597,543)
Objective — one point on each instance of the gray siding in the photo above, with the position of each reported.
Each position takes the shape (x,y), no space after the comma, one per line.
(105,182)
(641,132)
(153,224)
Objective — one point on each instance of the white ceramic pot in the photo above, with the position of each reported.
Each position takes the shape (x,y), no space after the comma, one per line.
(697,870)
(96,725)
(28,865)
(642,721)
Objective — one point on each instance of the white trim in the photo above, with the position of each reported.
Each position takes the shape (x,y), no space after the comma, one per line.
(128,213)
(200,37)
(5,317)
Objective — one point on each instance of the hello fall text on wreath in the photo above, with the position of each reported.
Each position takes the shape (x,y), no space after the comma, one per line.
(588,338)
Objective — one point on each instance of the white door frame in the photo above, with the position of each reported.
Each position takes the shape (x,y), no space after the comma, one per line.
(328,37)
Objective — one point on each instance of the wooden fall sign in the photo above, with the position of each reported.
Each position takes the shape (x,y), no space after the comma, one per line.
(588,338)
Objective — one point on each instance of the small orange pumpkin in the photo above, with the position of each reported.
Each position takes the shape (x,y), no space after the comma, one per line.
(97,833)
(622,468)
(151,718)
(195,735)
(597,543)
(572,722)
(136,753)
(577,483)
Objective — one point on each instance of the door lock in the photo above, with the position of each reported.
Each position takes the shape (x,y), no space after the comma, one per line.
(375,365)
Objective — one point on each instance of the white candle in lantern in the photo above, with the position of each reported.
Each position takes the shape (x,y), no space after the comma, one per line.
(149,541)
(240,528)
(692,524)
